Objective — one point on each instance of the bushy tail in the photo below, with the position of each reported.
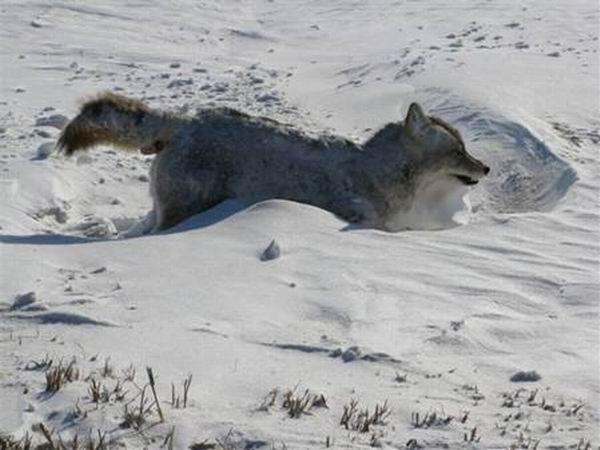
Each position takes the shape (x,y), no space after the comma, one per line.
(112,119)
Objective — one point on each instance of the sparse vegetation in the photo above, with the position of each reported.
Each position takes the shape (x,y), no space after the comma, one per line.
(58,376)
(375,441)
(400,378)
(142,412)
(129,373)
(153,388)
(319,401)
(412,444)
(107,369)
(430,419)
(297,405)
(168,442)
(100,393)
(8,442)
(472,391)
(574,409)
(269,400)
(53,441)
(523,443)
(178,401)
(472,436)
(531,397)
(136,412)
(95,391)
(136,417)
(361,421)
(43,364)
(583,445)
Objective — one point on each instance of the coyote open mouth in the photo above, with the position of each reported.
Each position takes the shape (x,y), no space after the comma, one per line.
(467,180)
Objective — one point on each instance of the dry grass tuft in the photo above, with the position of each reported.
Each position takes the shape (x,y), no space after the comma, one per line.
(53,441)
(43,364)
(363,420)
(432,419)
(99,393)
(129,373)
(412,444)
(136,417)
(57,377)
(523,443)
(178,401)
(471,436)
(95,390)
(297,405)
(269,400)
(400,378)
(150,374)
(107,370)
(583,445)
(8,442)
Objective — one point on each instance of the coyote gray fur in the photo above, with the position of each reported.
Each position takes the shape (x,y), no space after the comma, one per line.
(221,154)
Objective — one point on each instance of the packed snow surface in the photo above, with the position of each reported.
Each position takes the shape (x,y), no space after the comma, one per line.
(482,335)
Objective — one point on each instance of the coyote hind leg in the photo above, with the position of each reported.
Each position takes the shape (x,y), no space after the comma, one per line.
(169,215)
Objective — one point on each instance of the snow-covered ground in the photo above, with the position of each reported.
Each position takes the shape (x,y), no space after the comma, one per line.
(433,322)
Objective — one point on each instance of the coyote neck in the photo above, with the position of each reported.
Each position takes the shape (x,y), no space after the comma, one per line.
(155,127)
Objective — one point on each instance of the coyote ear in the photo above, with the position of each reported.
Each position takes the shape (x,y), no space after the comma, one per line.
(416,121)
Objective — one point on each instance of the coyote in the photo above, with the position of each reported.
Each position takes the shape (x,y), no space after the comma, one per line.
(223,153)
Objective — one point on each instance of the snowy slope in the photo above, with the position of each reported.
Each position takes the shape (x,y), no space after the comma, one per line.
(431,321)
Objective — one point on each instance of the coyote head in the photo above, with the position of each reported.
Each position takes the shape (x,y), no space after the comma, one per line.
(440,148)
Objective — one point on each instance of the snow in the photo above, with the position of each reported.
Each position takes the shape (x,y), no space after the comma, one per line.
(431,321)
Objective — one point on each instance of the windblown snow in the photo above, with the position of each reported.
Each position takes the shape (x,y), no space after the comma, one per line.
(481,334)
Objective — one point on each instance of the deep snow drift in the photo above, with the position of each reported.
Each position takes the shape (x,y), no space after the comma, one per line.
(436,323)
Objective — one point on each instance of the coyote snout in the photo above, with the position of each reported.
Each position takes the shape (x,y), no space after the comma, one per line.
(222,153)
(467,169)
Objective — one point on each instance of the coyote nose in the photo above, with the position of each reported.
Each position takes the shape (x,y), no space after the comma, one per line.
(486,170)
